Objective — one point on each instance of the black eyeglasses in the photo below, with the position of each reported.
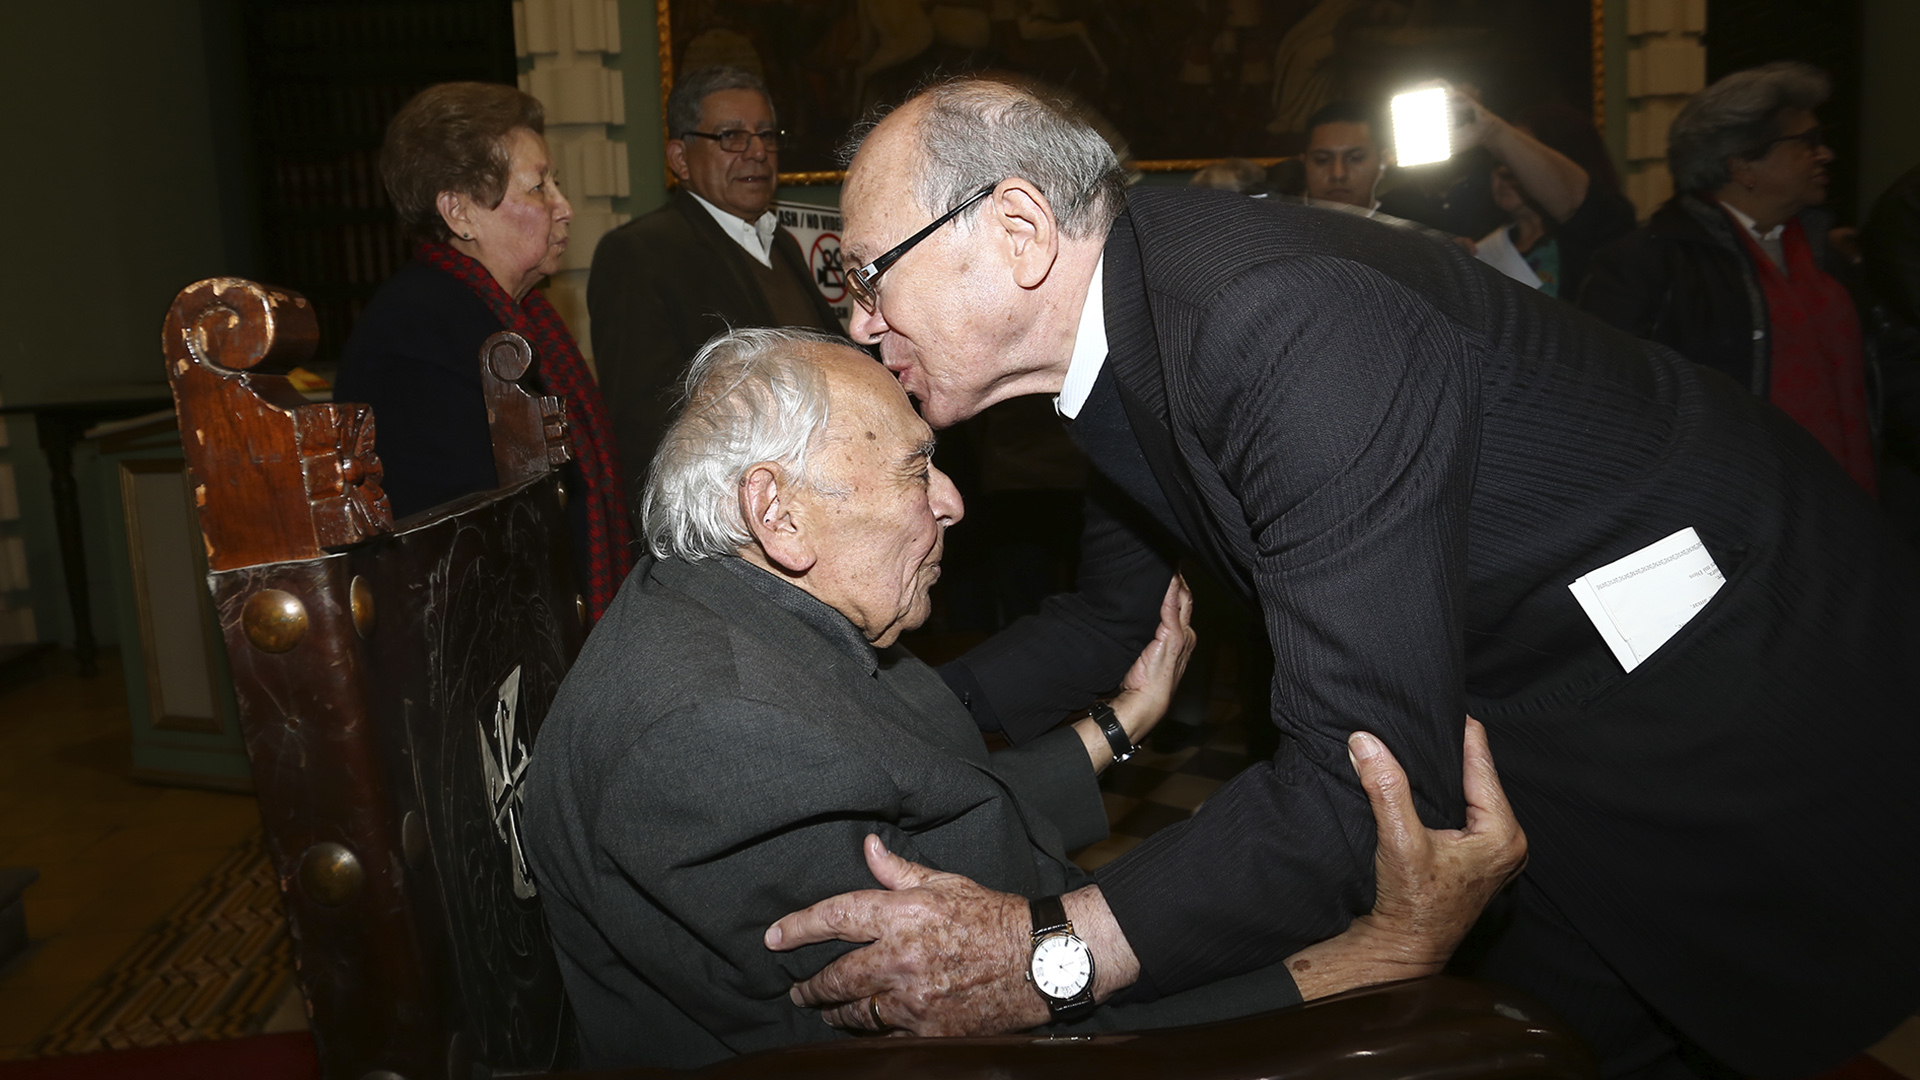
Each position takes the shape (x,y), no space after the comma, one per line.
(862,282)
(1812,137)
(736,140)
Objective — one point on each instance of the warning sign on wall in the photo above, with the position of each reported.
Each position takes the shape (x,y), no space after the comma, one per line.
(818,230)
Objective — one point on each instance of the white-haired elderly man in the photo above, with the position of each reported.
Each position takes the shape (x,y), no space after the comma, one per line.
(741,735)
(1695,642)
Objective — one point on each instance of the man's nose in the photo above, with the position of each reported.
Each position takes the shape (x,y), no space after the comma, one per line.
(1338,170)
(563,209)
(866,326)
(756,149)
(945,500)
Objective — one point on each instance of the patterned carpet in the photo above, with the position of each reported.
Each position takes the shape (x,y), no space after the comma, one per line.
(215,968)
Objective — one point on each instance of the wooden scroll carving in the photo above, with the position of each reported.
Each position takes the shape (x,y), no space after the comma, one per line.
(530,434)
(250,436)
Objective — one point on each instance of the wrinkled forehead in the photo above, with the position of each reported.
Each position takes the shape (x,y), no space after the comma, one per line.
(867,405)
(879,204)
(527,151)
(733,108)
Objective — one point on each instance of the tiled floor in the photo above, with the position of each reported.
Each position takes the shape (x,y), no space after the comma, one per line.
(114,855)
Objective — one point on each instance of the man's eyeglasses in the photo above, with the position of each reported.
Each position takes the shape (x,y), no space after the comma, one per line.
(863,283)
(1812,137)
(736,140)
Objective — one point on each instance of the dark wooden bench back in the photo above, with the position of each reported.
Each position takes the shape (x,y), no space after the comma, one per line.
(390,684)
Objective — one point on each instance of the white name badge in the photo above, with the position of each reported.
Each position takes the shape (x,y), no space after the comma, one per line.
(1639,602)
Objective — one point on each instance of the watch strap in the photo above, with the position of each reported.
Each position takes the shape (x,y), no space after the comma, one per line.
(1102,714)
(1049,916)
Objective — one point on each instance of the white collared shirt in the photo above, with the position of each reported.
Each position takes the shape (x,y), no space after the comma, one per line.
(755,237)
(1089,347)
(1769,241)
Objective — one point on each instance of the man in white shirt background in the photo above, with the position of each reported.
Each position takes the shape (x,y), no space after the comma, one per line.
(712,258)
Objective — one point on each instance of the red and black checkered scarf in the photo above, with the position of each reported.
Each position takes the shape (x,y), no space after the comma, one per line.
(560,369)
(1819,374)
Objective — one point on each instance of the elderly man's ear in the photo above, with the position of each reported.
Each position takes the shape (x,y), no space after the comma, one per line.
(777,519)
(677,159)
(1032,240)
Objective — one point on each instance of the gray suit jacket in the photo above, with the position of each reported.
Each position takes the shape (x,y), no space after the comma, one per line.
(714,760)
(661,285)
(718,753)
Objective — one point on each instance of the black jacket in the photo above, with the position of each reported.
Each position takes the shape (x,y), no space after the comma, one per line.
(1684,279)
(661,286)
(1405,458)
(415,357)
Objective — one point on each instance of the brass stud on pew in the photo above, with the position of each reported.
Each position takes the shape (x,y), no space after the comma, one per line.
(561,490)
(580,608)
(331,874)
(275,620)
(360,598)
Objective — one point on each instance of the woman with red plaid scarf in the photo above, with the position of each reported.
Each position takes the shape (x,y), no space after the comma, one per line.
(467,169)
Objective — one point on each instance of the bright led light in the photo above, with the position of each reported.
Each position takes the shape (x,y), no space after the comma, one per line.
(1422,128)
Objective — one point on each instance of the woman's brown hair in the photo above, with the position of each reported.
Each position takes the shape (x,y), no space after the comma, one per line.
(452,137)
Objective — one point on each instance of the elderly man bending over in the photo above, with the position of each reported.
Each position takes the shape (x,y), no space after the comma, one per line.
(741,736)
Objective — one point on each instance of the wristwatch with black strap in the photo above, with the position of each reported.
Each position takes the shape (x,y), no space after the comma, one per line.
(1061,965)
(1102,713)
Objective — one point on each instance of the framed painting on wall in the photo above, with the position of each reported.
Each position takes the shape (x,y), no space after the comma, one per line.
(1182,82)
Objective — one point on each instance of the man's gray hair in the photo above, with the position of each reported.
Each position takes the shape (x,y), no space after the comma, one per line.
(1737,117)
(750,396)
(690,92)
(976,132)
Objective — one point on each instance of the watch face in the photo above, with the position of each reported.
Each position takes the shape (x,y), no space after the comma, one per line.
(1062,966)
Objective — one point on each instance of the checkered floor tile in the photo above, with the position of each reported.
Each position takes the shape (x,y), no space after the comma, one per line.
(1152,790)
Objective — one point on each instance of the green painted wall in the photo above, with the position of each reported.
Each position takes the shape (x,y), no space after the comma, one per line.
(116,184)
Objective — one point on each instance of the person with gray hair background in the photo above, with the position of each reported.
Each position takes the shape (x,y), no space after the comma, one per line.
(1734,271)
(713,258)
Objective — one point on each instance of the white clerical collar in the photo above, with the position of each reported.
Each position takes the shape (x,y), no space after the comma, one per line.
(1753,227)
(1089,347)
(755,238)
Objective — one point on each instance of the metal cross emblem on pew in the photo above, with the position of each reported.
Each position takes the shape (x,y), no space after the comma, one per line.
(503,753)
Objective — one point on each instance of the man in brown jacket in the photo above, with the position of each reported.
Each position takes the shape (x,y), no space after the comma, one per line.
(712,258)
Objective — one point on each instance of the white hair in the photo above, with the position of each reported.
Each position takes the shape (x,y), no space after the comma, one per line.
(750,396)
(974,132)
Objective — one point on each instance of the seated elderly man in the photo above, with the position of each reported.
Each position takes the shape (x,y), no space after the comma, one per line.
(741,736)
